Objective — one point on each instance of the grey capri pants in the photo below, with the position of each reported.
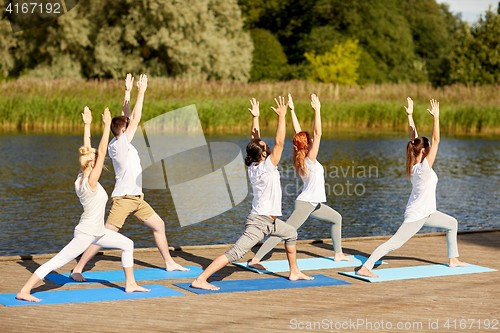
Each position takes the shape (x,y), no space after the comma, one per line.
(302,211)
(408,229)
(256,228)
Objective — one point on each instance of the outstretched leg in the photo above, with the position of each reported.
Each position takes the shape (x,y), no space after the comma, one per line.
(326,213)
(72,250)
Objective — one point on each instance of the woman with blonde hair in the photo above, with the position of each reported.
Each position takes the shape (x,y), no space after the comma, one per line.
(311,201)
(91,229)
(421,206)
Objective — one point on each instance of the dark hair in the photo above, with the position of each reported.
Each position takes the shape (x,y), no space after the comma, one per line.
(254,152)
(118,123)
(413,148)
(301,142)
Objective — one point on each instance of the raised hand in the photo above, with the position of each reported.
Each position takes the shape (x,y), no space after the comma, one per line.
(142,85)
(106,118)
(87,116)
(290,102)
(129,82)
(281,106)
(255,107)
(434,108)
(315,104)
(409,109)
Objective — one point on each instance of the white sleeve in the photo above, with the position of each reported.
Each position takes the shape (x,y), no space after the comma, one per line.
(85,187)
(268,166)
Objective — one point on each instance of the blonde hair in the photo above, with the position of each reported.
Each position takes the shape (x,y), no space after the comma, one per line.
(87,155)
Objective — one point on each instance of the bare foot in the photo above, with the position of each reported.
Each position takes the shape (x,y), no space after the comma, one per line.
(78,277)
(454,262)
(341,257)
(173,266)
(258,266)
(27,297)
(203,285)
(299,276)
(135,287)
(255,263)
(365,272)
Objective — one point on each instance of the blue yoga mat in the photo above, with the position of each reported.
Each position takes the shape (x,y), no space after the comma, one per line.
(119,276)
(415,272)
(89,295)
(277,266)
(263,284)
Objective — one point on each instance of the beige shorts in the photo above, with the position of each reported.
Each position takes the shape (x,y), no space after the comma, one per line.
(121,207)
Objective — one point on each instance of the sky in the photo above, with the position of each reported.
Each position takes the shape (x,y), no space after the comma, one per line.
(470,9)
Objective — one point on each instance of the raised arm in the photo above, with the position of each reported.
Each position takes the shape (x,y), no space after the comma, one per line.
(135,118)
(411,124)
(279,141)
(435,133)
(254,111)
(313,151)
(101,151)
(129,84)
(87,120)
(295,121)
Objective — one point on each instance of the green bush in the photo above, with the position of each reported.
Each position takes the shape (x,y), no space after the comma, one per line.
(269,60)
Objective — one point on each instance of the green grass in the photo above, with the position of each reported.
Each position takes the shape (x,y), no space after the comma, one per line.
(222,106)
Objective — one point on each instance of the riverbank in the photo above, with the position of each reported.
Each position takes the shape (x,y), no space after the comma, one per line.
(470,298)
(56,105)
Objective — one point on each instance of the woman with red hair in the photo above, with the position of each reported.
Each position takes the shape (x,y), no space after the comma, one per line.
(311,201)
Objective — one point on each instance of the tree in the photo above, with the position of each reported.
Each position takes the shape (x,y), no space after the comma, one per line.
(380,27)
(7,44)
(192,39)
(431,38)
(338,66)
(268,56)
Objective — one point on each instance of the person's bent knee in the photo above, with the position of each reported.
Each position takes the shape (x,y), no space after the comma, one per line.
(234,253)
(129,245)
(292,240)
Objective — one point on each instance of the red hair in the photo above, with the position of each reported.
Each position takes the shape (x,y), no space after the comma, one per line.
(301,143)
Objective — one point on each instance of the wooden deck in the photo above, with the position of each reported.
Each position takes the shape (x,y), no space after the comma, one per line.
(469,297)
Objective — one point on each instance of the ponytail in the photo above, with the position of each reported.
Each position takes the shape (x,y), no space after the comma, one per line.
(413,149)
(301,143)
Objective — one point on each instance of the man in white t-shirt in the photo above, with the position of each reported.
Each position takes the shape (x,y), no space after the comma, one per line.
(127,197)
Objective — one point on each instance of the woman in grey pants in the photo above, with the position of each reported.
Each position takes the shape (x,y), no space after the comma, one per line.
(421,206)
(266,205)
(310,201)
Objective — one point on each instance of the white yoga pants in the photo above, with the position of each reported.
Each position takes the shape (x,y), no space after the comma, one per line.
(81,241)
(408,229)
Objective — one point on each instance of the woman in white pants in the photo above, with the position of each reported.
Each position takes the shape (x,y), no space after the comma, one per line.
(91,229)
(421,206)
(311,201)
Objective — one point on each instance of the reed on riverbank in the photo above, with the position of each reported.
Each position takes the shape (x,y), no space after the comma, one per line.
(27,105)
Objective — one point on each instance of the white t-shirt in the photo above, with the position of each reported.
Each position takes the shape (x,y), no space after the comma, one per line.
(314,183)
(94,205)
(127,166)
(422,201)
(265,179)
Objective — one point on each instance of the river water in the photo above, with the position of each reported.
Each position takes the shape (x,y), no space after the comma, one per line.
(365,180)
